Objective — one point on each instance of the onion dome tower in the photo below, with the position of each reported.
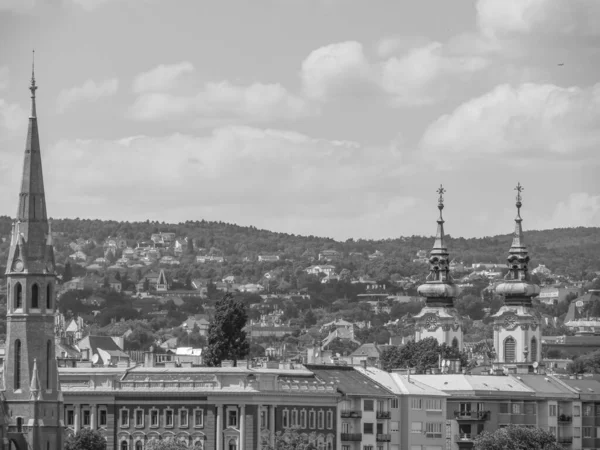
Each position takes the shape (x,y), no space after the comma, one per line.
(32,398)
(517,330)
(439,318)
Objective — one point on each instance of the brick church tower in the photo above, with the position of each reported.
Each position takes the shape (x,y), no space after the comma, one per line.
(32,403)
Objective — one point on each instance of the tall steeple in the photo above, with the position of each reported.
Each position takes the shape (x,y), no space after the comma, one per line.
(517,330)
(32,397)
(439,318)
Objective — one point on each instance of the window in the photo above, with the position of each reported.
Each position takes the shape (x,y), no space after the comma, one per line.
(480,406)
(139,445)
(380,405)
(379,428)
(576,432)
(198,418)
(416,427)
(124,445)
(154,417)
(394,427)
(433,429)
(552,410)
(552,431)
(49,296)
(345,427)
(533,349)
(85,419)
(311,419)
(329,420)
(102,418)
(139,418)
(509,349)
(285,419)
(124,418)
(368,428)
(516,408)
(294,418)
(576,411)
(233,422)
(588,410)
(503,408)
(70,417)
(18,296)
(598,410)
(303,418)
(168,418)
(588,432)
(530,408)
(416,403)
(183,418)
(367,447)
(368,405)
(394,403)
(465,408)
(433,404)
(48,362)
(345,447)
(35,296)
(17,374)
(320,420)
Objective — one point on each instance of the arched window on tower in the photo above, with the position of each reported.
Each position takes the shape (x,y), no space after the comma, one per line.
(49,296)
(17,374)
(35,296)
(48,362)
(509,349)
(124,445)
(18,296)
(138,445)
(534,349)
(454,342)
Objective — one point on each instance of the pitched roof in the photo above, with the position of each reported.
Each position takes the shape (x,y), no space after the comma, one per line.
(546,386)
(370,350)
(348,380)
(471,384)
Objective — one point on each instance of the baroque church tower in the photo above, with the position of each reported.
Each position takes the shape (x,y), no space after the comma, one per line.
(517,329)
(32,396)
(439,318)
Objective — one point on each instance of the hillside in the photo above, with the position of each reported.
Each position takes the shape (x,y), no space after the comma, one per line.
(571,251)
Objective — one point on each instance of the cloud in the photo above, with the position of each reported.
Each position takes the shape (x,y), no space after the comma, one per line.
(18,6)
(240,174)
(161,78)
(581,209)
(415,77)
(89,91)
(256,102)
(527,121)
(4,78)
(539,18)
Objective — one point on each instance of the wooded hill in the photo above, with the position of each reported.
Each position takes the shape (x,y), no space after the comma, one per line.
(570,251)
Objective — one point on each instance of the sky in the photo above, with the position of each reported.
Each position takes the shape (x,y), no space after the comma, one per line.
(337,118)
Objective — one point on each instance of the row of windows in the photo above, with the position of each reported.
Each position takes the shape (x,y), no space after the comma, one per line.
(432,430)
(518,408)
(139,445)
(139,418)
(17,364)
(86,418)
(297,419)
(431,404)
(35,296)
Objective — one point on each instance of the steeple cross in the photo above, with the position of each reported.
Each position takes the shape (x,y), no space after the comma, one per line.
(441,191)
(519,189)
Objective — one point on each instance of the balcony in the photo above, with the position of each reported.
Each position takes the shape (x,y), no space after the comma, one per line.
(472,415)
(565,439)
(464,441)
(352,437)
(351,414)
(384,414)
(564,419)
(384,437)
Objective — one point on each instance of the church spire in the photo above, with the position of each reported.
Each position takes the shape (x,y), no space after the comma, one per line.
(32,219)
(517,287)
(439,287)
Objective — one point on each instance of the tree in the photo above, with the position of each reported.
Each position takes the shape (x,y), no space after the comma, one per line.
(146,286)
(85,439)
(309,318)
(190,245)
(292,440)
(68,273)
(421,355)
(188,282)
(226,335)
(165,444)
(517,438)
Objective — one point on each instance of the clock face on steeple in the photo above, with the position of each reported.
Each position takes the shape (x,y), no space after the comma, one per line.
(431,322)
(510,321)
(18,266)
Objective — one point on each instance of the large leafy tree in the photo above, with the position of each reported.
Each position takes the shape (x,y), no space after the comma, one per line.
(85,439)
(226,335)
(291,440)
(421,355)
(517,438)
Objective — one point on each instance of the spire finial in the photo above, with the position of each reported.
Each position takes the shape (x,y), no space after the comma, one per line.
(519,189)
(33,86)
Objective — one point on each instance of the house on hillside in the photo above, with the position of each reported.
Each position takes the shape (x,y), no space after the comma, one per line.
(103,350)
(268,258)
(325,269)
(329,255)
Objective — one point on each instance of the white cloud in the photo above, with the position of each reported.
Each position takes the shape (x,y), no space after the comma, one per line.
(239,174)
(161,78)
(580,210)
(530,120)
(416,77)
(498,18)
(256,102)
(89,91)
(4,78)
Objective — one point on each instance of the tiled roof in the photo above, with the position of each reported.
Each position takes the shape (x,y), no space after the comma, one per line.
(348,380)
(546,386)
(473,383)
(368,350)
